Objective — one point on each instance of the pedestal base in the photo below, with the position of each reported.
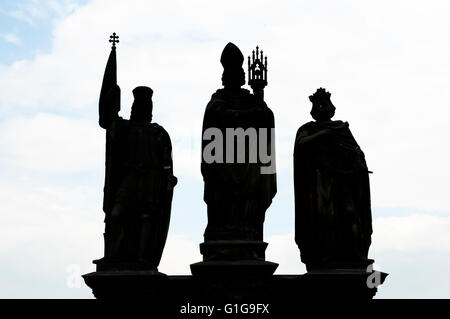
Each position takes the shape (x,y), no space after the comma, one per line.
(233,250)
(284,296)
(233,258)
(339,265)
(127,284)
(252,268)
(105,265)
(342,284)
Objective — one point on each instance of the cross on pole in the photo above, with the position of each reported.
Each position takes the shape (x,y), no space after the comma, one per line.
(114,39)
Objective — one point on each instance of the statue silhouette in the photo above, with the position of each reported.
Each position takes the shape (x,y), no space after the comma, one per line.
(332,196)
(139,178)
(237,194)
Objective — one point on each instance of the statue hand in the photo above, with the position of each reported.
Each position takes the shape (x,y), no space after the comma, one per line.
(113,96)
(329,131)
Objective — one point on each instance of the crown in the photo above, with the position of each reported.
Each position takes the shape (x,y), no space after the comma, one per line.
(321,97)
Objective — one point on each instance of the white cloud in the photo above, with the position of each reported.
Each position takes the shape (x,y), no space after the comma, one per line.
(414,251)
(44,228)
(52,143)
(21,15)
(11,38)
(413,233)
(31,11)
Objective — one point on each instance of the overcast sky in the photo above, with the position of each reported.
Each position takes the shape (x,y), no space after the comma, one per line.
(385,63)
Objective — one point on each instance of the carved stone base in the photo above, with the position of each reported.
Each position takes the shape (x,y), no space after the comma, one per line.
(345,284)
(344,264)
(233,258)
(285,296)
(253,268)
(105,265)
(233,250)
(126,284)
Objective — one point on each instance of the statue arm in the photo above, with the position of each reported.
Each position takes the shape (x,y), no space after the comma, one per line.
(168,160)
(109,107)
(306,137)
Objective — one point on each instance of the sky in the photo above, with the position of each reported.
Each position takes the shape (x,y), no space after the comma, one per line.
(385,63)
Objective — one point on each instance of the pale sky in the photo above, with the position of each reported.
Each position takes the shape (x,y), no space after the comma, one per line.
(385,63)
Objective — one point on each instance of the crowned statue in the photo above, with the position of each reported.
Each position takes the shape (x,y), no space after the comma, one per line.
(139,178)
(333,223)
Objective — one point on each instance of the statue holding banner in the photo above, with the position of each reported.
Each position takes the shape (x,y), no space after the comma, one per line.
(139,178)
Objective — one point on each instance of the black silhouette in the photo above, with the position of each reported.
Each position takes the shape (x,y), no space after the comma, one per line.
(257,73)
(333,218)
(237,194)
(332,196)
(139,179)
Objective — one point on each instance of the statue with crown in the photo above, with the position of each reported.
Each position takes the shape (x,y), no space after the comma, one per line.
(239,185)
(139,178)
(333,221)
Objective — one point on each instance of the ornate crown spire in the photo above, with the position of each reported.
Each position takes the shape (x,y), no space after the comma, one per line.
(257,72)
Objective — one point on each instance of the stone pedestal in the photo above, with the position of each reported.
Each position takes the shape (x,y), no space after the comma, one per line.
(127,284)
(233,278)
(233,258)
(284,296)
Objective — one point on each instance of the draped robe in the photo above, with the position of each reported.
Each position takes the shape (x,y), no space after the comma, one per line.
(333,224)
(237,194)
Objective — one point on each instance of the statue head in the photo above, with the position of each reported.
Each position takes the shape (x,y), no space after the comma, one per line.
(322,109)
(142,107)
(233,74)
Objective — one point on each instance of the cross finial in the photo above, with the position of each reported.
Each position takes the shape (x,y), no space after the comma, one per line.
(114,39)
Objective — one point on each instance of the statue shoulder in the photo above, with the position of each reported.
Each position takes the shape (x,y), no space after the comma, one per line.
(306,127)
(245,92)
(218,100)
(339,124)
(313,126)
(219,94)
(305,130)
(119,124)
(225,95)
(160,131)
(265,107)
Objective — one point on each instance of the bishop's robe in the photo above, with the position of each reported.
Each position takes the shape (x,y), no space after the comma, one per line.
(237,194)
